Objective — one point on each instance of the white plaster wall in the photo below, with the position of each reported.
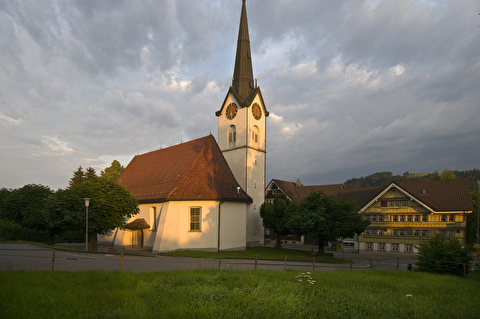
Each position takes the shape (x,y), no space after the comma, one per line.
(174,227)
(233,224)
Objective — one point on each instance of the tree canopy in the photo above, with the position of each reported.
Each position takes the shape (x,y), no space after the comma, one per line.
(26,206)
(325,217)
(37,207)
(110,206)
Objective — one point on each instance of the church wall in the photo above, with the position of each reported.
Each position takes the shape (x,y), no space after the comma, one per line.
(233,223)
(173,233)
(174,229)
(255,188)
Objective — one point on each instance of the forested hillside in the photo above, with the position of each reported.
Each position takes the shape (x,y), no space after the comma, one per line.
(385,178)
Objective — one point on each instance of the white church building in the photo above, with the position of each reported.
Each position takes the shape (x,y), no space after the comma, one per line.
(204,195)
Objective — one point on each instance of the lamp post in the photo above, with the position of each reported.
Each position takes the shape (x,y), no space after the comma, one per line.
(87,203)
(478,222)
(478,214)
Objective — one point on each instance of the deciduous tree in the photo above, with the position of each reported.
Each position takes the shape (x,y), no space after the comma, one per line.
(113,171)
(447,174)
(110,205)
(274,217)
(26,206)
(325,217)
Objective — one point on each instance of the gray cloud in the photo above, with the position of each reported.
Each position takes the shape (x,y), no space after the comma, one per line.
(353,87)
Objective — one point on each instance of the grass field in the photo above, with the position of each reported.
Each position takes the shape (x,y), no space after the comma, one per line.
(237,294)
(261,253)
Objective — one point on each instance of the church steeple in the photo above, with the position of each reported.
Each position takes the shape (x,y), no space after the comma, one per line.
(243,73)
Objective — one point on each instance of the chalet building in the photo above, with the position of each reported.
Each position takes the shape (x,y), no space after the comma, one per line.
(204,195)
(401,215)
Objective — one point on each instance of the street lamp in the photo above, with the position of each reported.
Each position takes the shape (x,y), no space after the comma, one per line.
(478,222)
(87,203)
(478,214)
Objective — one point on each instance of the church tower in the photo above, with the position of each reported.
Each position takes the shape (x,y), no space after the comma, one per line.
(242,132)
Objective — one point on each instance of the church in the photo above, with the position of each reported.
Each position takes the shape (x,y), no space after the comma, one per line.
(204,195)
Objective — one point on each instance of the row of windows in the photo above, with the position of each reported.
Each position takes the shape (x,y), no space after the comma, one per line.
(407,218)
(397,232)
(394,203)
(393,247)
(232,136)
(409,232)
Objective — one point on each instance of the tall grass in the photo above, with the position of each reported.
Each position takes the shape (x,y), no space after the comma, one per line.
(237,294)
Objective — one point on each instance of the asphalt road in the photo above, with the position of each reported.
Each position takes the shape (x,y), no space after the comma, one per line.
(31,257)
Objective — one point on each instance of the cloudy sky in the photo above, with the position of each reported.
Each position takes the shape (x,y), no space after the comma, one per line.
(352,87)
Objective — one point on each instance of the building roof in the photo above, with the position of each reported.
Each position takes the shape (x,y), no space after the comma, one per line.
(297,191)
(439,196)
(137,224)
(442,195)
(195,170)
(360,196)
(243,72)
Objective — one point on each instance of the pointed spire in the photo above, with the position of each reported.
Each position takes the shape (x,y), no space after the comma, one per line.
(243,72)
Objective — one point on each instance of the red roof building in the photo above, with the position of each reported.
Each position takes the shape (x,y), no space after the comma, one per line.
(194,170)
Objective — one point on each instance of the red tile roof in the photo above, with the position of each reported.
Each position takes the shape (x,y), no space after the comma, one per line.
(195,170)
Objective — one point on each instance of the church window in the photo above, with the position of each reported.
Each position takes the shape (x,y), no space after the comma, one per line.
(195,218)
(232,136)
(255,135)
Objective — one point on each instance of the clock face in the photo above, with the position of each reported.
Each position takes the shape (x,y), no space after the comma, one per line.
(231,111)
(256,111)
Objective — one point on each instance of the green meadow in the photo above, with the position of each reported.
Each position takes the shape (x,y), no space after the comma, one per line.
(210,293)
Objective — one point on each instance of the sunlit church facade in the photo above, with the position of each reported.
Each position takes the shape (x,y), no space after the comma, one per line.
(204,194)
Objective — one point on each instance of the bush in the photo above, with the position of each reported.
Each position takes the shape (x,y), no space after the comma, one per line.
(443,255)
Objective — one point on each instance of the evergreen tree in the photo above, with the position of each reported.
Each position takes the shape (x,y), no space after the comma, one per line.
(90,174)
(78,178)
